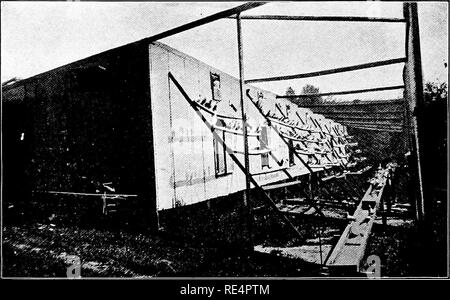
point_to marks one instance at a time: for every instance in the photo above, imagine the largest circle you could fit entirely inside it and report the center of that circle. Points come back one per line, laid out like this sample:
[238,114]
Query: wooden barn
[129,123]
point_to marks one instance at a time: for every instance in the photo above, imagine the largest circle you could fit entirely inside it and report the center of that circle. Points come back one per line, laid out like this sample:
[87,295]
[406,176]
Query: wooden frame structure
[412,87]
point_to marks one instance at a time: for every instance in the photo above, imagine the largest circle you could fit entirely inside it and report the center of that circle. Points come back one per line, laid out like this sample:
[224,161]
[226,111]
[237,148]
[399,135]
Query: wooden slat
[236,132]
[322,18]
[280,185]
[91,194]
[384,88]
[356,104]
[331,71]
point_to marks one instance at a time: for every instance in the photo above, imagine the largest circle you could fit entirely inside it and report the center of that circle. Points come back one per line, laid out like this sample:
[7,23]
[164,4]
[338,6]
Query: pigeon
[203,101]
[208,104]
[214,108]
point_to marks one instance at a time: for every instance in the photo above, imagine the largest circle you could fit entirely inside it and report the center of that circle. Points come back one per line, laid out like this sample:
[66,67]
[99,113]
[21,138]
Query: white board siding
[184,152]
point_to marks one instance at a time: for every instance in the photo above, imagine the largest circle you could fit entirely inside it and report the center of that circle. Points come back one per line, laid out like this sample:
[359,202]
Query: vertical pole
[243,108]
[414,96]
[244,121]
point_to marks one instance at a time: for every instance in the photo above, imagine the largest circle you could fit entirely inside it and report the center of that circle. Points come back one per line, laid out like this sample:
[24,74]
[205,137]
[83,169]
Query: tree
[290,91]
[310,89]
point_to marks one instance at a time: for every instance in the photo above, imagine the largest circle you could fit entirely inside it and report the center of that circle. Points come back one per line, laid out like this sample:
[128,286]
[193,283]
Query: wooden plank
[357,104]
[91,194]
[323,18]
[375,128]
[369,119]
[280,185]
[254,152]
[385,88]
[331,71]
[236,132]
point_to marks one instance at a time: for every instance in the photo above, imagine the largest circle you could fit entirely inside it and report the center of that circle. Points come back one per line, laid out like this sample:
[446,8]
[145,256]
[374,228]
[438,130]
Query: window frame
[218,147]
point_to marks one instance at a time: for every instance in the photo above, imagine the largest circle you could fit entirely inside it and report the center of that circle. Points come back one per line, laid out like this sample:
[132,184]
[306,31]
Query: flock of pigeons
[305,143]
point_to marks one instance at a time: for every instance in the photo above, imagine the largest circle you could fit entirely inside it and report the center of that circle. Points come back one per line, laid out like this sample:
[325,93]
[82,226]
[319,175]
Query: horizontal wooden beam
[368,118]
[358,122]
[203,21]
[343,113]
[91,194]
[384,88]
[375,128]
[399,102]
[331,71]
[280,185]
[385,123]
[323,18]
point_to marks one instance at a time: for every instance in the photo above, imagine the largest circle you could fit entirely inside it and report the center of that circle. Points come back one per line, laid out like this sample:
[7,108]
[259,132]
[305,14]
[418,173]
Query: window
[220,157]
[215,87]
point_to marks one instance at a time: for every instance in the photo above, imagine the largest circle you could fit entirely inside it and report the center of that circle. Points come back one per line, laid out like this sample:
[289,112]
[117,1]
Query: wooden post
[413,81]
[246,199]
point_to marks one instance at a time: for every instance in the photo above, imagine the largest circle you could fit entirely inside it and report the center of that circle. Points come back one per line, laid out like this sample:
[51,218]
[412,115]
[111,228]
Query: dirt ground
[46,250]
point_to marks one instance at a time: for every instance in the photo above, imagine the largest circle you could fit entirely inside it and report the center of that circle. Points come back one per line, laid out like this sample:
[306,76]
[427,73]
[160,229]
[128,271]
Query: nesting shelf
[237,132]
[292,126]
[209,111]
[254,151]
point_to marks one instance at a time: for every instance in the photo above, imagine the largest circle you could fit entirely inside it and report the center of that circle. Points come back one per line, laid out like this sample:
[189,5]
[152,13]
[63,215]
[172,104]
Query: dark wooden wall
[85,123]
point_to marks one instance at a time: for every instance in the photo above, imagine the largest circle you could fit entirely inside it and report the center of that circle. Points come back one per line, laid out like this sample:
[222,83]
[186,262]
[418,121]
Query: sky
[37,37]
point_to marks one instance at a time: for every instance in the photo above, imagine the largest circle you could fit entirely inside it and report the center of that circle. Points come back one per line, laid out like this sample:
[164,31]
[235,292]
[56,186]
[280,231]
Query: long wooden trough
[347,253]
[351,247]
